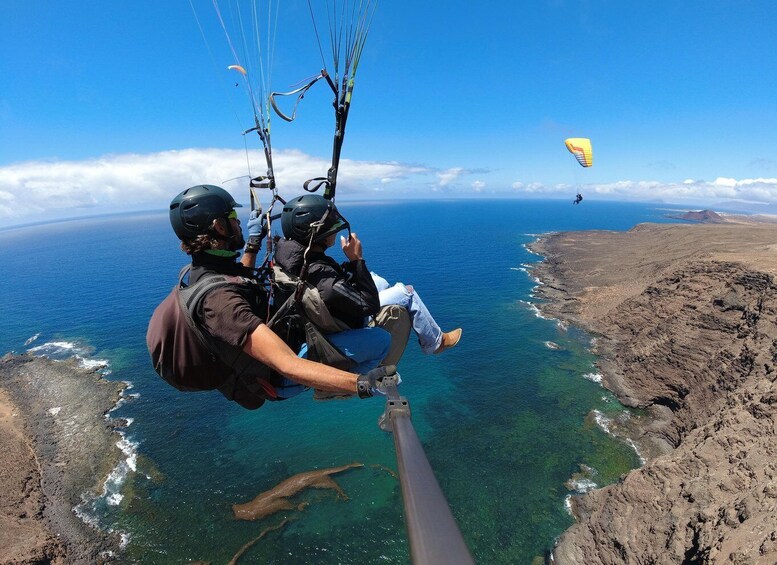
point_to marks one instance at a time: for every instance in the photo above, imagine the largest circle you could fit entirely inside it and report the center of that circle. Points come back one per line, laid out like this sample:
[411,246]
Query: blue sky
[118,105]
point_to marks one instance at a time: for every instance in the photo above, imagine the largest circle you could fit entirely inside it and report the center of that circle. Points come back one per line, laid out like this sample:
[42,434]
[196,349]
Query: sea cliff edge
[685,318]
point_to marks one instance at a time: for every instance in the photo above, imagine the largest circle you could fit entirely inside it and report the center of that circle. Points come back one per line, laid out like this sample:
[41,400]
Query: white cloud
[32,190]
[449,175]
[37,190]
[685,191]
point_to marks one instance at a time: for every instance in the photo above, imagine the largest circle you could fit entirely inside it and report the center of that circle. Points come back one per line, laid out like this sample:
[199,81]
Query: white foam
[129,449]
[533,308]
[582,485]
[62,350]
[526,247]
[33,338]
[92,363]
[57,347]
[606,424]
[593,377]
[568,504]
[603,421]
[641,457]
[86,517]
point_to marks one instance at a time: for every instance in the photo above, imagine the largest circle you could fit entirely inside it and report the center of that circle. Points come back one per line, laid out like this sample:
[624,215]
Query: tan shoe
[449,339]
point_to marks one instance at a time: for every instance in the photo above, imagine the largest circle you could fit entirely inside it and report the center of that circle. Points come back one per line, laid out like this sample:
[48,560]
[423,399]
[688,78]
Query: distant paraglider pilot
[580,148]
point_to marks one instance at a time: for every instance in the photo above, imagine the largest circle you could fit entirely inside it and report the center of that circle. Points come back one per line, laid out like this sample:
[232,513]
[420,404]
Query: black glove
[372,383]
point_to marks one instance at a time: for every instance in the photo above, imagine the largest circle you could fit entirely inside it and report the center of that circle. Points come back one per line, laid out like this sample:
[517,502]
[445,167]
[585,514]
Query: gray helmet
[301,213]
[192,212]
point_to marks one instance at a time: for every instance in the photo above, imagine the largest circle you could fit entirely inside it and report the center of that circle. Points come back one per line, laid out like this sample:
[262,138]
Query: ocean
[508,418]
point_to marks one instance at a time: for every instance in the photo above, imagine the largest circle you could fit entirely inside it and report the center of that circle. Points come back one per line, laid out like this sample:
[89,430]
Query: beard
[236,242]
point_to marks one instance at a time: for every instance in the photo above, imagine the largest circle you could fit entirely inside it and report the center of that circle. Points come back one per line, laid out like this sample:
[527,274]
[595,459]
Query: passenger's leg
[428,332]
[380,282]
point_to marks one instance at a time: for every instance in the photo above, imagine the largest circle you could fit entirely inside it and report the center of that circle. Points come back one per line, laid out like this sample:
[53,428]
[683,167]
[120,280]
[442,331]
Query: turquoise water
[505,420]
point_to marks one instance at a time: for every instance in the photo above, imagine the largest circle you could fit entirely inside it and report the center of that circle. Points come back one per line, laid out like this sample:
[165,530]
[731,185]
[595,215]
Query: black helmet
[192,212]
[299,215]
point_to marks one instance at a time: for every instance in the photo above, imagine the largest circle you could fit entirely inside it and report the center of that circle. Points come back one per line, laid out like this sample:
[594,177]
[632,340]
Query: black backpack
[182,354]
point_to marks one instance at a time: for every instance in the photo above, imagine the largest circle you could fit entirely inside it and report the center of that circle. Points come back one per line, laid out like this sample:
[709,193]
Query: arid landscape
[685,318]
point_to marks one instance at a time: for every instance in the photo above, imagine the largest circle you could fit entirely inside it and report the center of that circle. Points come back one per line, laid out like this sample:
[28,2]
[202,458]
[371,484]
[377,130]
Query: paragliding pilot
[225,344]
[578,199]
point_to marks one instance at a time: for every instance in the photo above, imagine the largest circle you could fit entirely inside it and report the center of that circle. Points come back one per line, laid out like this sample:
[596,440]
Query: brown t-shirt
[228,315]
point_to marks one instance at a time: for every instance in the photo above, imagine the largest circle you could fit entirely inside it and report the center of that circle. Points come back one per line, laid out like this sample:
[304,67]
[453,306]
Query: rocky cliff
[691,336]
[55,447]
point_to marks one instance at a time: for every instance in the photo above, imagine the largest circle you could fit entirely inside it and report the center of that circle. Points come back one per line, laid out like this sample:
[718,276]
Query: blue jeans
[367,347]
[428,332]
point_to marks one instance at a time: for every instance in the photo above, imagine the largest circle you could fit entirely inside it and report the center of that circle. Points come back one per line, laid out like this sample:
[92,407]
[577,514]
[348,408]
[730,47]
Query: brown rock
[687,324]
[55,446]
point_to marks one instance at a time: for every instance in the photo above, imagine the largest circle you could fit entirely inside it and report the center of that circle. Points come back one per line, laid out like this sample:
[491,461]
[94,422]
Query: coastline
[56,446]
[684,319]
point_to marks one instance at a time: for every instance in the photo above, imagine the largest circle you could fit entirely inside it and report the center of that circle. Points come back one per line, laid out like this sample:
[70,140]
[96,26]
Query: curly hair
[200,243]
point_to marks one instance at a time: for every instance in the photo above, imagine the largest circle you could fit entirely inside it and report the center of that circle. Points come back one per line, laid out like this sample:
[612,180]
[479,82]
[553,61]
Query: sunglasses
[232,215]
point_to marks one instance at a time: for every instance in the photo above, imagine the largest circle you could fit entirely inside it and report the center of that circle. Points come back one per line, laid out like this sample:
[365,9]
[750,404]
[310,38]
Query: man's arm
[248,259]
[266,347]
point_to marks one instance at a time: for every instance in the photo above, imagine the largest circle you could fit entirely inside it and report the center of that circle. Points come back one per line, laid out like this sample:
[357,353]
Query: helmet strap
[232,237]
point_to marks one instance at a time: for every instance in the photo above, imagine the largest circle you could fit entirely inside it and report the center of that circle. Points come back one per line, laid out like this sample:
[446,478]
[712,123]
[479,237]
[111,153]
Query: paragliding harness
[303,315]
[303,318]
[185,355]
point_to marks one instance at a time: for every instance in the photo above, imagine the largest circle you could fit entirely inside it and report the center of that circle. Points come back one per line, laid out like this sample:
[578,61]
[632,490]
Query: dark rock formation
[55,446]
[697,347]
[701,216]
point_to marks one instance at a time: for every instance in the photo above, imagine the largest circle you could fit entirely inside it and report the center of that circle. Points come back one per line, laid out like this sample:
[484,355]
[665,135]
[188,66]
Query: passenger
[204,219]
[350,291]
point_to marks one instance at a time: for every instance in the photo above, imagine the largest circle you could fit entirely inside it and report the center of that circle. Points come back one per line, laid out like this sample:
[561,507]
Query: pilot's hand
[372,383]
[352,247]
[256,231]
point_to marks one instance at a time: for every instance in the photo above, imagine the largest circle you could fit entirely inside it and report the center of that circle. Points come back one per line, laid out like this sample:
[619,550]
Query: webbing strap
[190,296]
[301,94]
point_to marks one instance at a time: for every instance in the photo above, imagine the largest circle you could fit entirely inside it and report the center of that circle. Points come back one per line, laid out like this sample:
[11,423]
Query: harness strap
[189,298]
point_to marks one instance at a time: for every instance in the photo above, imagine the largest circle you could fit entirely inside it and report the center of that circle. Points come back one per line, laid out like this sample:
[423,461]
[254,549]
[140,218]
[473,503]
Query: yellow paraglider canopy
[580,147]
